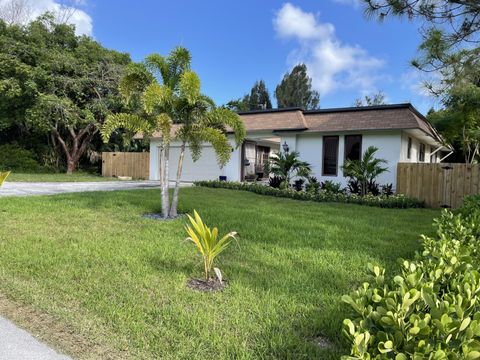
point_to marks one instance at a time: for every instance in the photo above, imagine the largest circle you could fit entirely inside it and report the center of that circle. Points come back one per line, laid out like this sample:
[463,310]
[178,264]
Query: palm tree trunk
[164,180]
[173,208]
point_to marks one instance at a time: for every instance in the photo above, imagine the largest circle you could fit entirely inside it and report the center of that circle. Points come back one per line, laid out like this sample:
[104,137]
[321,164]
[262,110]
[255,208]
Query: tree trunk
[164,180]
[79,145]
[173,208]
[71,166]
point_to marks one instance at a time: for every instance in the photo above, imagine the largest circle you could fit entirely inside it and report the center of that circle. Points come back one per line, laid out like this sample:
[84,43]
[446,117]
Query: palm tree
[365,170]
[288,165]
[163,91]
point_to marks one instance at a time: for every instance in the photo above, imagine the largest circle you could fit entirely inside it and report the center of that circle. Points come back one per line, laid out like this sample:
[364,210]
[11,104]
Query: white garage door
[205,168]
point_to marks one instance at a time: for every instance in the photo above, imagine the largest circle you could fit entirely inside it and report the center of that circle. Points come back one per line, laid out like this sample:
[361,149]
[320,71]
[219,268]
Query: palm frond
[135,80]
[189,87]
[157,98]
[130,122]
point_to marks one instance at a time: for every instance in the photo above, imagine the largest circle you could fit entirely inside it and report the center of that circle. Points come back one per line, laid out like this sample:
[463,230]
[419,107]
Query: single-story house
[324,138]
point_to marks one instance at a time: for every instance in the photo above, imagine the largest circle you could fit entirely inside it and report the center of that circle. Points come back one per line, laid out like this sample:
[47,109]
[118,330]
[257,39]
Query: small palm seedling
[207,241]
[3,177]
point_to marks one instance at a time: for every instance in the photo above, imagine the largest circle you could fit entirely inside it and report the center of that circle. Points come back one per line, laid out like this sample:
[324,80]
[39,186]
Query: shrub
[332,187]
[313,186]
[207,241]
[373,188]
[432,309]
[395,201]
[298,184]
[387,189]
[275,181]
[353,186]
[16,158]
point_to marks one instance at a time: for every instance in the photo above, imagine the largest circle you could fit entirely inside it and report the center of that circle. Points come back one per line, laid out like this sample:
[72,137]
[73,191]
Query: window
[353,147]
[421,153]
[330,155]
[409,148]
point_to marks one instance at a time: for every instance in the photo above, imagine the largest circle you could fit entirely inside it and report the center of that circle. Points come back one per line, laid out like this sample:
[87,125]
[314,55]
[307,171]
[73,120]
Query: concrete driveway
[17,344]
[51,188]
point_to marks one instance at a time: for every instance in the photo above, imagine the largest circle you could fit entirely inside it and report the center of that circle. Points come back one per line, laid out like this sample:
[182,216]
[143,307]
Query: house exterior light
[285,147]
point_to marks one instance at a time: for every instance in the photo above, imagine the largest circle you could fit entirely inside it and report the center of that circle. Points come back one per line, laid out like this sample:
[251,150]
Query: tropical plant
[288,165]
[331,186]
[162,92]
[298,184]
[3,176]
[275,181]
[207,241]
[365,170]
[387,189]
[312,186]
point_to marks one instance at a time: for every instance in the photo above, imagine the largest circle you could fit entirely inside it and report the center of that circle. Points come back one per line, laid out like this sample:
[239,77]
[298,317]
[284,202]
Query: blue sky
[233,44]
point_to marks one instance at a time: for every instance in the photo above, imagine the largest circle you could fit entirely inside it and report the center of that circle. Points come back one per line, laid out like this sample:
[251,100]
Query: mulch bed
[206,286]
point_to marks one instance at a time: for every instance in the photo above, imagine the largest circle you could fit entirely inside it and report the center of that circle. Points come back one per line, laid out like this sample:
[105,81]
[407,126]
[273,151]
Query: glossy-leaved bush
[431,310]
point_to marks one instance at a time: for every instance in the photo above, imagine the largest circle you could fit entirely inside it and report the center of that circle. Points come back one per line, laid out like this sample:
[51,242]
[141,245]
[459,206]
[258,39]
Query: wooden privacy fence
[439,185]
[134,164]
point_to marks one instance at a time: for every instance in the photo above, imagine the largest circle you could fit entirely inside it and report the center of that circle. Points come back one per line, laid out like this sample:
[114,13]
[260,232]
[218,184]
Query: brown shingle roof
[289,119]
[382,117]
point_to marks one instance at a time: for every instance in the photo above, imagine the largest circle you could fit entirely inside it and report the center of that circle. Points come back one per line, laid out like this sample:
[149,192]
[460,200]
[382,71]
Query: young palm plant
[3,177]
[365,170]
[162,92]
[207,241]
[288,165]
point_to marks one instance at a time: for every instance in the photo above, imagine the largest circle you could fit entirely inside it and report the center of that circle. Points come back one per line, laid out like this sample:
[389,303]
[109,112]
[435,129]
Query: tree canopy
[295,90]
[53,81]
[451,36]
[371,100]
[258,99]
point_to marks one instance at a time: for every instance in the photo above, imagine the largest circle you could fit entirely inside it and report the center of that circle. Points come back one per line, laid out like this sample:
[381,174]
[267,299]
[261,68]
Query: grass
[91,262]
[57,177]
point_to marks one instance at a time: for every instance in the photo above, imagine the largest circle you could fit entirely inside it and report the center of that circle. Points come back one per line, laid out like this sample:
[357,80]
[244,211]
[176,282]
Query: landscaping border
[397,201]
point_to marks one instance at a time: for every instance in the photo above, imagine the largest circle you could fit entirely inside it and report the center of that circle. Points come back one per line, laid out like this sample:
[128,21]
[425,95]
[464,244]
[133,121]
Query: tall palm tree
[163,91]
[288,165]
[365,170]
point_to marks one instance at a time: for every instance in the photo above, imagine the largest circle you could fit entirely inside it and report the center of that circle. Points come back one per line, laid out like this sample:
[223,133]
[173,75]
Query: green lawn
[94,265]
[52,177]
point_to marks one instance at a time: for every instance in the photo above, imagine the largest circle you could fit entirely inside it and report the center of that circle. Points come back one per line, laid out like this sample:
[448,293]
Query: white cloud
[67,11]
[332,65]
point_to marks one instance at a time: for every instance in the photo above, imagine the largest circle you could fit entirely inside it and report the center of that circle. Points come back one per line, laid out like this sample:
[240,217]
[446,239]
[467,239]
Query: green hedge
[393,201]
[432,309]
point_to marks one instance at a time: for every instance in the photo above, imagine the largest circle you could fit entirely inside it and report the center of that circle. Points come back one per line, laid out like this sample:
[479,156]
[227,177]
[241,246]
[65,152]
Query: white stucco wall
[429,149]
[310,147]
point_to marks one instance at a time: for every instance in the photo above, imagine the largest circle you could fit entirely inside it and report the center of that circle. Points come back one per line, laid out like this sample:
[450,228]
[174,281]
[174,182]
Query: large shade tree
[163,94]
[459,121]
[53,81]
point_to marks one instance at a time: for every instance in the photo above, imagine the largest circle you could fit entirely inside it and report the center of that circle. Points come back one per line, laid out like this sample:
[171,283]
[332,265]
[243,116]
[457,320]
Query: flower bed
[392,201]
